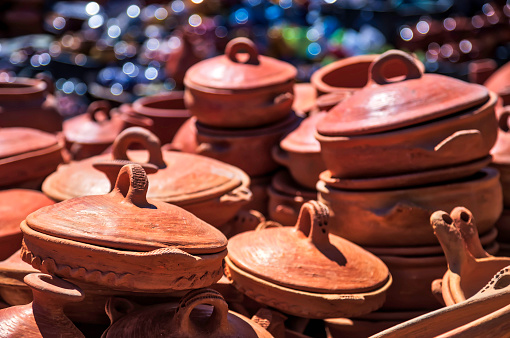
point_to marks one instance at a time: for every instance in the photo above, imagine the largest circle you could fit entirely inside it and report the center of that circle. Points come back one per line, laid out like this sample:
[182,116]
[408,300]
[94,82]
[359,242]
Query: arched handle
[50,85]
[143,137]
[268,224]
[117,307]
[132,184]
[465,222]
[111,168]
[503,119]
[238,45]
[313,223]
[52,291]
[217,324]
[96,107]
[376,67]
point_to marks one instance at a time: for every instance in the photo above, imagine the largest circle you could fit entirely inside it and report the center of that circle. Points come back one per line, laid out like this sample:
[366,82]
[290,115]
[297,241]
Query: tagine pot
[240,90]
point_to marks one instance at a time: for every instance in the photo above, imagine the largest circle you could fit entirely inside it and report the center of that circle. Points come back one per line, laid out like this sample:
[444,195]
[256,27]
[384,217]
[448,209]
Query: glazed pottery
[29,103]
[27,155]
[371,126]
[240,90]
[44,317]
[304,98]
[498,82]
[300,152]
[201,313]
[211,190]
[324,275]
[91,133]
[400,217]
[286,198]
[123,241]
[15,205]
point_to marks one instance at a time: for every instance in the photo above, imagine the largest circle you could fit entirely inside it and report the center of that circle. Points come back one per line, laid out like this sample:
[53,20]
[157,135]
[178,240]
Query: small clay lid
[388,104]
[306,257]
[236,70]
[124,219]
[302,139]
[18,141]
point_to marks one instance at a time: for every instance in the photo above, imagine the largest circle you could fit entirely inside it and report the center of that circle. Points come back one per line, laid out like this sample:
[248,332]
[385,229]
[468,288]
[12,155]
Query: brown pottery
[305,271]
[499,83]
[240,90]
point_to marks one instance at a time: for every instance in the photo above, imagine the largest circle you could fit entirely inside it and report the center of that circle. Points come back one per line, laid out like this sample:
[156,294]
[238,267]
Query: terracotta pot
[211,190]
[499,83]
[371,127]
[240,90]
[400,217]
[300,152]
[44,317]
[286,199]
[185,138]
[27,155]
[325,275]
[29,103]
[91,133]
[249,149]
[201,313]
[123,241]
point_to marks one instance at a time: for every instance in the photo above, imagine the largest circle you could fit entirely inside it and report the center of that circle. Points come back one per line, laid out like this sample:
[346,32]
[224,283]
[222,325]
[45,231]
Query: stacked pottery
[396,151]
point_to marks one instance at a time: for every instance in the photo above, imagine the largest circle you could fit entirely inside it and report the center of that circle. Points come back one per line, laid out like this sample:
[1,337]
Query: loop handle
[96,107]
[111,168]
[52,291]
[133,184]
[313,223]
[503,119]
[142,136]
[376,68]
[242,44]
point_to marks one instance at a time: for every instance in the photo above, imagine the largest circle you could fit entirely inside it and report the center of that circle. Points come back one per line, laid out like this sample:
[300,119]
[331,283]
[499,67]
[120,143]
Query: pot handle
[217,324]
[456,142]
[238,195]
[465,222]
[503,119]
[142,136]
[313,222]
[242,44]
[111,168]
[377,66]
[268,224]
[132,184]
[96,107]
[117,307]
[50,290]
[280,156]
[50,85]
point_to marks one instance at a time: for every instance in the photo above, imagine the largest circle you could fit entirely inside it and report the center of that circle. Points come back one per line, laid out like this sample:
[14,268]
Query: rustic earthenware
[27,155]
[240,90]
[400,217]
[201,313]
[44,317]
[431,134]
[185,139]
[325,275]
[304,98]
[211,190]
[123,241]
[286,198]
[498,82]
[247,149]
[91,133]
[29,103]
[300,152]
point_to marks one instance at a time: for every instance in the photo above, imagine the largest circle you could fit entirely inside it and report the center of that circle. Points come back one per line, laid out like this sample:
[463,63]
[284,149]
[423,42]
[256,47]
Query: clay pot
[123,241]
[211,190]
[431,134]
[201,313]
[240,90]
[286,199]
[27,156]
[91,133]
[325,275]
[29,103]
[498,82]
[44,317]
[185,138]
[300,152]
[304,98]
[260,196]
[400,217]
[248,149]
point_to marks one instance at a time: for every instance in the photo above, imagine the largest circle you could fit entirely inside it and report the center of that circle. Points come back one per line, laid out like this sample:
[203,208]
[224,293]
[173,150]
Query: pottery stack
[395,152]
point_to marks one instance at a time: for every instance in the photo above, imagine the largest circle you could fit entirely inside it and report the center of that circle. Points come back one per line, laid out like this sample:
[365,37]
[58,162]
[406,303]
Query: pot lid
[387,104]
[181,178]
[124,219]
[18,141]
[302,139]
[236,70]
[306,257]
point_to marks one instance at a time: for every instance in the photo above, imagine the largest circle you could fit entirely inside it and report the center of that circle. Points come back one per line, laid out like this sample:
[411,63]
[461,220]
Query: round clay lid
[181,177]
[18,141]
[306,257]
[237,70]
[302,139]
[388,104]
[124,219]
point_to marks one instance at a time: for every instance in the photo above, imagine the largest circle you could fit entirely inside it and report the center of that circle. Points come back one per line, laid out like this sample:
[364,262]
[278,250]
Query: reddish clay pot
[29,103]
[325,275]
[300,152]
[286,199]
[400,217]
[240,90]
[15,205]
[185,138]
[123,241]
[44,317]
[499,83]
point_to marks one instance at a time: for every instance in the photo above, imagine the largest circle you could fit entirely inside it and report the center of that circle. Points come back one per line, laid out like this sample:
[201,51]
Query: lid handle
[242,44]
[313,222]
[145,138]
[111,168]
[376,69]
[133,184]
[96,107]
[465,222]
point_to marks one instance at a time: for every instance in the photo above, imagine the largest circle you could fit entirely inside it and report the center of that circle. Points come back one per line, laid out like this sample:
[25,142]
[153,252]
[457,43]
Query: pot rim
[22,86]
[141,107]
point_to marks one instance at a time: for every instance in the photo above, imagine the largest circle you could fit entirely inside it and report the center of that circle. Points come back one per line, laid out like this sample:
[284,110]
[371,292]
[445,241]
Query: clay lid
[236,70]
[124,219]
[306,257]
[17,141]
[302,139]
[181,177]
[385,104]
